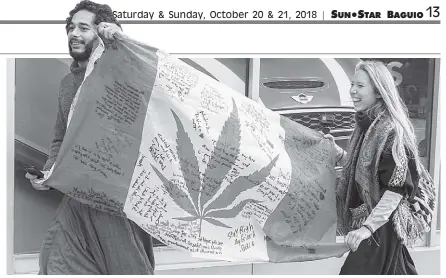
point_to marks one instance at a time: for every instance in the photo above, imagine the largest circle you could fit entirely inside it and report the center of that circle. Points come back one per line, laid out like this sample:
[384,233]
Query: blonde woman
[380,170]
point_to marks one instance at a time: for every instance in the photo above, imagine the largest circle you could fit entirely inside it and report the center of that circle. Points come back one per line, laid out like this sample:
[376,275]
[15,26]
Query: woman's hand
[339,150]
[354,238]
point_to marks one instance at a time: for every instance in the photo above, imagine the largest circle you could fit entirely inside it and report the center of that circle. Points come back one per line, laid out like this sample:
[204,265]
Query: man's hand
[109,31]
[354,238]
[36,182]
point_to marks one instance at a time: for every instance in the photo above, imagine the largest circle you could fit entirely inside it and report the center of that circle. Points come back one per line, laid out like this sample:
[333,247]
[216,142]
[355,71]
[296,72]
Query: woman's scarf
[371,137]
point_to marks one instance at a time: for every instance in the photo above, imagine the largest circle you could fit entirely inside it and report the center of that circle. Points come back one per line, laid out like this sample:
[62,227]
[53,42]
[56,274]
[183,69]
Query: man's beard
[83,56]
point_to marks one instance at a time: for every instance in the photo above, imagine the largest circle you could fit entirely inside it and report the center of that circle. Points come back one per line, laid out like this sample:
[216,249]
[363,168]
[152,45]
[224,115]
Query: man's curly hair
[103,12]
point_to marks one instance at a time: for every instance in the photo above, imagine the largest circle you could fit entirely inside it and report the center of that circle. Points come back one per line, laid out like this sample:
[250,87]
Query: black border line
[253,22]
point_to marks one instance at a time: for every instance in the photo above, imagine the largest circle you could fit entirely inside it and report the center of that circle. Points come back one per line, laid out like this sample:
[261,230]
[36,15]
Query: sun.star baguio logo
[200,200]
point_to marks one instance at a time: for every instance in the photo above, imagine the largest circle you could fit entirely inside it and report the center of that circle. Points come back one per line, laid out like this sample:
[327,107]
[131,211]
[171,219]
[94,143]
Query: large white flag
[194,163]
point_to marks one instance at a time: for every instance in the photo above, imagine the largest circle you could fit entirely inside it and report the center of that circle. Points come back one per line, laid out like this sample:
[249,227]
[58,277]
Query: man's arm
[59,133]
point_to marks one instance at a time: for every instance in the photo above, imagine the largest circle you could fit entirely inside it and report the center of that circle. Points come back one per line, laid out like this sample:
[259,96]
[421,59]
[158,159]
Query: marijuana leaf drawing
[202,205]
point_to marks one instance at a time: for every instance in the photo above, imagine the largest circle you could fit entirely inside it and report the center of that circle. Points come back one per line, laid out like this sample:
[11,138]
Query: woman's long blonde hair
[392,104]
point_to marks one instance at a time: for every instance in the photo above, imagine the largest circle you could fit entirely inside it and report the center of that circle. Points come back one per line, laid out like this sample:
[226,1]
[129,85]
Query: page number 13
[434,11]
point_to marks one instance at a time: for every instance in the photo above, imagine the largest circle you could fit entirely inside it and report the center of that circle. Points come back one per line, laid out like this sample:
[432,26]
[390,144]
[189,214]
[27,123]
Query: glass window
[37,83]
[415,83]
[232,72]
